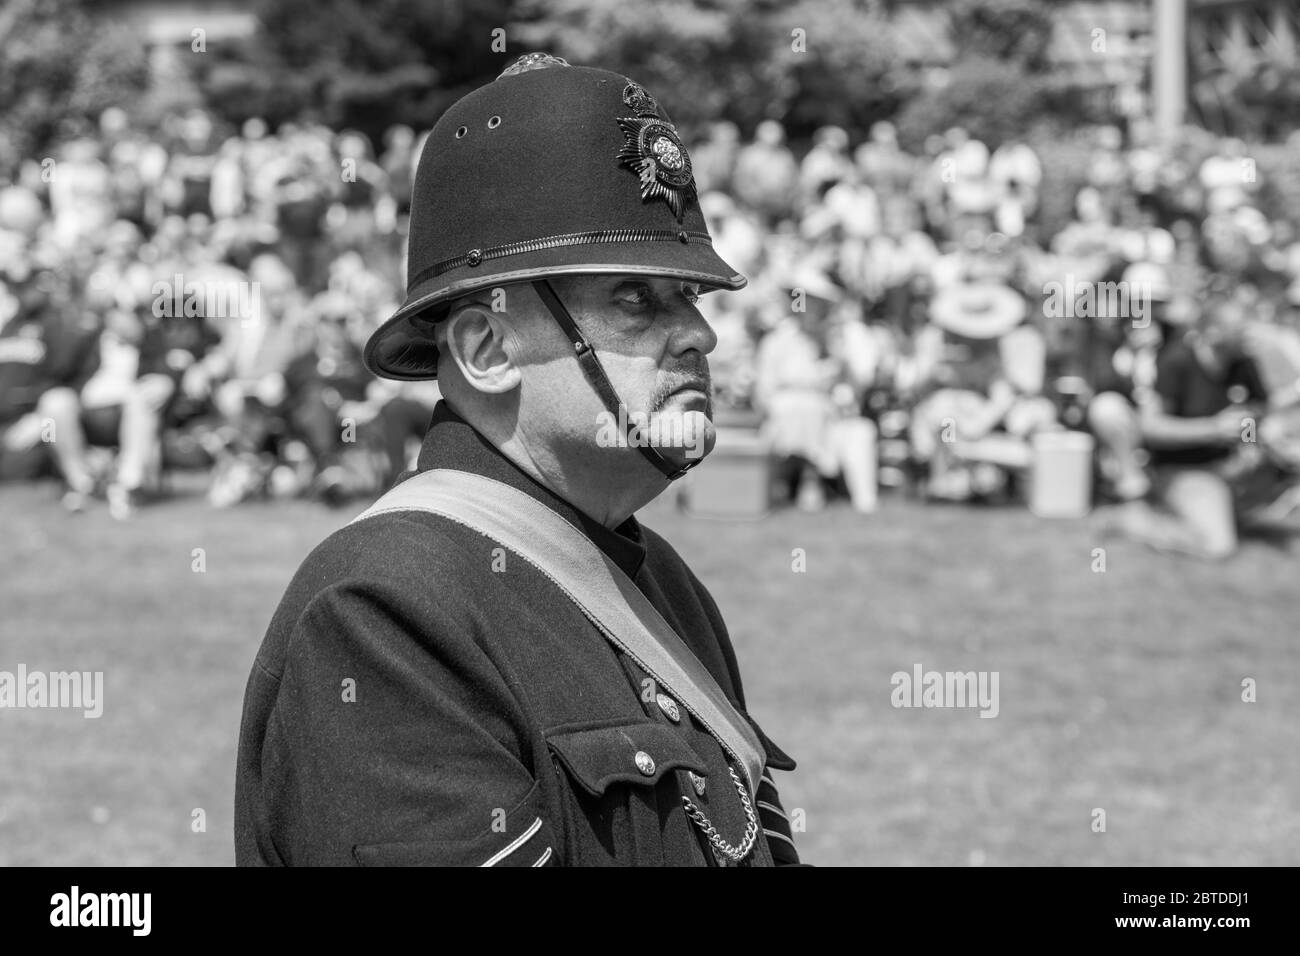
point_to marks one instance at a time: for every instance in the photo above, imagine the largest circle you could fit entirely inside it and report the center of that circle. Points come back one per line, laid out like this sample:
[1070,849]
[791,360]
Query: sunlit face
[651,340]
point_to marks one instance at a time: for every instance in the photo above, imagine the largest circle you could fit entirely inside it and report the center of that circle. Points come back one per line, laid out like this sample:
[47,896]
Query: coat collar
[452,442]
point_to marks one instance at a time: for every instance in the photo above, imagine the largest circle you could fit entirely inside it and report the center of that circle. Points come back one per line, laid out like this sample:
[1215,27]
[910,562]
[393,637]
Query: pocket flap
[638,753]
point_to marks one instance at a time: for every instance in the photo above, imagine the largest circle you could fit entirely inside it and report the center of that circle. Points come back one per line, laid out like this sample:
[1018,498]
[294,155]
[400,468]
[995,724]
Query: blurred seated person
[149,365]
[1200,424]
[328,403]
[1114,361]
[41,350]
[249,391]
[985,372]
[89,413]
[254,351]
[812,427]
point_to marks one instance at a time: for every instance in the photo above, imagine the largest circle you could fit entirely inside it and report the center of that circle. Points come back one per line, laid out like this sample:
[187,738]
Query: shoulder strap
[592,581]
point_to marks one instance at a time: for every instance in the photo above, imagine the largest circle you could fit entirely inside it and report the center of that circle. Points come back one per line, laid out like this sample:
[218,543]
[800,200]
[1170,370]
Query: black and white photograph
[682,433]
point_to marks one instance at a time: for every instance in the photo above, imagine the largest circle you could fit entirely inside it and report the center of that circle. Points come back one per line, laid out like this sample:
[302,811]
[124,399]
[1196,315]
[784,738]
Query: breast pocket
[623,801]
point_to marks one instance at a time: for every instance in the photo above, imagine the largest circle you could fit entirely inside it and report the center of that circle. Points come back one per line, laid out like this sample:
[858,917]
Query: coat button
[645,763]
[697,782]
[669,707]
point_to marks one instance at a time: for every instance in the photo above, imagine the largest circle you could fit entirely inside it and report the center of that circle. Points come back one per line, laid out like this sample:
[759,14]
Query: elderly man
[496,664]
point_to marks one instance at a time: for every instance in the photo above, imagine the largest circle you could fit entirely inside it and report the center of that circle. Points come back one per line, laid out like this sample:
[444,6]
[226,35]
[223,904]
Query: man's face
[652,342]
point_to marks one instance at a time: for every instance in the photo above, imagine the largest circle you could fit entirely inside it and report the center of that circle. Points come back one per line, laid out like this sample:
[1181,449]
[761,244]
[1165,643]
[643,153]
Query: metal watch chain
[721,848]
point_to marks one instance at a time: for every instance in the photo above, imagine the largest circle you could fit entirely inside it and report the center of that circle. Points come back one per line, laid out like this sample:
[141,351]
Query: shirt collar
[452,442]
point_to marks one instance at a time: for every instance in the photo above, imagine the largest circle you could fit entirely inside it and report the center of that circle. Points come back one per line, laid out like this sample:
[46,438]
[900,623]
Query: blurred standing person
[793,376]
[352,217]
[189,173]
[714,160]
[301,202]
[883,165]
[81,194]
[860,353]
[767,176]
[1087,244]
[1016,173]
[1108,168]
[825,164]
[229,194]
[972,196]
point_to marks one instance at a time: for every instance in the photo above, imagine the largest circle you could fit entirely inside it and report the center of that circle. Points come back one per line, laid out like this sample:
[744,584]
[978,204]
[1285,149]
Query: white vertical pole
[1169,69]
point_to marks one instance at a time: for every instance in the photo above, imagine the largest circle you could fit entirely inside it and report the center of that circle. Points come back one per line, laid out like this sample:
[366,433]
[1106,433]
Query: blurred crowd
[179,299]
[911,323]
[196,298]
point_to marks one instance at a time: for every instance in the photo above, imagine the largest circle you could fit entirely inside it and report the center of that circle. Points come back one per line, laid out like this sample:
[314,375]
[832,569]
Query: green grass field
[1118,690]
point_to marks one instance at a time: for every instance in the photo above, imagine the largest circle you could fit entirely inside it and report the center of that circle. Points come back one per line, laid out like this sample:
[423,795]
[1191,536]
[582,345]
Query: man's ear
[475,338]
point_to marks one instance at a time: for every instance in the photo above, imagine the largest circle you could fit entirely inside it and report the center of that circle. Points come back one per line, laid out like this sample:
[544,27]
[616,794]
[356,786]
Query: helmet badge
[654,151]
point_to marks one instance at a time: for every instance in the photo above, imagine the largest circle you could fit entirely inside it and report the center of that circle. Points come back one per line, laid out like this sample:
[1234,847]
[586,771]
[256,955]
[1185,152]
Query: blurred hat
[978,310]
[551,169]
[1151,277]
[833,137]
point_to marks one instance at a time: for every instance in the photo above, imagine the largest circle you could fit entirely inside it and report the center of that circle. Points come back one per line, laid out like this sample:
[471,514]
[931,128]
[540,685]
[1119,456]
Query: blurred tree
[812,63]
[688,53]
[994,100]
[849,74]
[1014,31]
[999,86]
[366,64]
[59,69]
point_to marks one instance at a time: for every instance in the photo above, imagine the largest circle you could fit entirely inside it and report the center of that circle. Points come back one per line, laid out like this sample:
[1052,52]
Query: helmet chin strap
[600,383]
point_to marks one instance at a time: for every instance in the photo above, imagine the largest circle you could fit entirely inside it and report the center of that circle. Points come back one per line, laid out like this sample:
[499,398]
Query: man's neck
[607,495]
[608,491]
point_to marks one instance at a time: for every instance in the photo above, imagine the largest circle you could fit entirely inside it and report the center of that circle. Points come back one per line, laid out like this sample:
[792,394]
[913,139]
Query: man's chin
[685,427]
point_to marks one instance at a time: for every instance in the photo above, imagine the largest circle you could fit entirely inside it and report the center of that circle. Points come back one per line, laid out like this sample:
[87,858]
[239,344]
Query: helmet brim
[403,347]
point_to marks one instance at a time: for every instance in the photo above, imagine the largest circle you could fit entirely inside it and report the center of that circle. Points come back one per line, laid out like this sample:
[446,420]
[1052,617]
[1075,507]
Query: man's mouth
[693,393]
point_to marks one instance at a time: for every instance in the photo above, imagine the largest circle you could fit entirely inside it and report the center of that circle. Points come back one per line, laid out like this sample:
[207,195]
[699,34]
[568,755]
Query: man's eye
[636,295]
[691,294]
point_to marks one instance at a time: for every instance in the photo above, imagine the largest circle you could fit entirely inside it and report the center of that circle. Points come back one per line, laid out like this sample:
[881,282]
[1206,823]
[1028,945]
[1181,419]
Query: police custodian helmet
[551,169]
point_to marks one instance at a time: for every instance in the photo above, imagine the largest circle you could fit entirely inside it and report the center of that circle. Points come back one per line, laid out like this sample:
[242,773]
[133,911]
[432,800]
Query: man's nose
[692,331]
